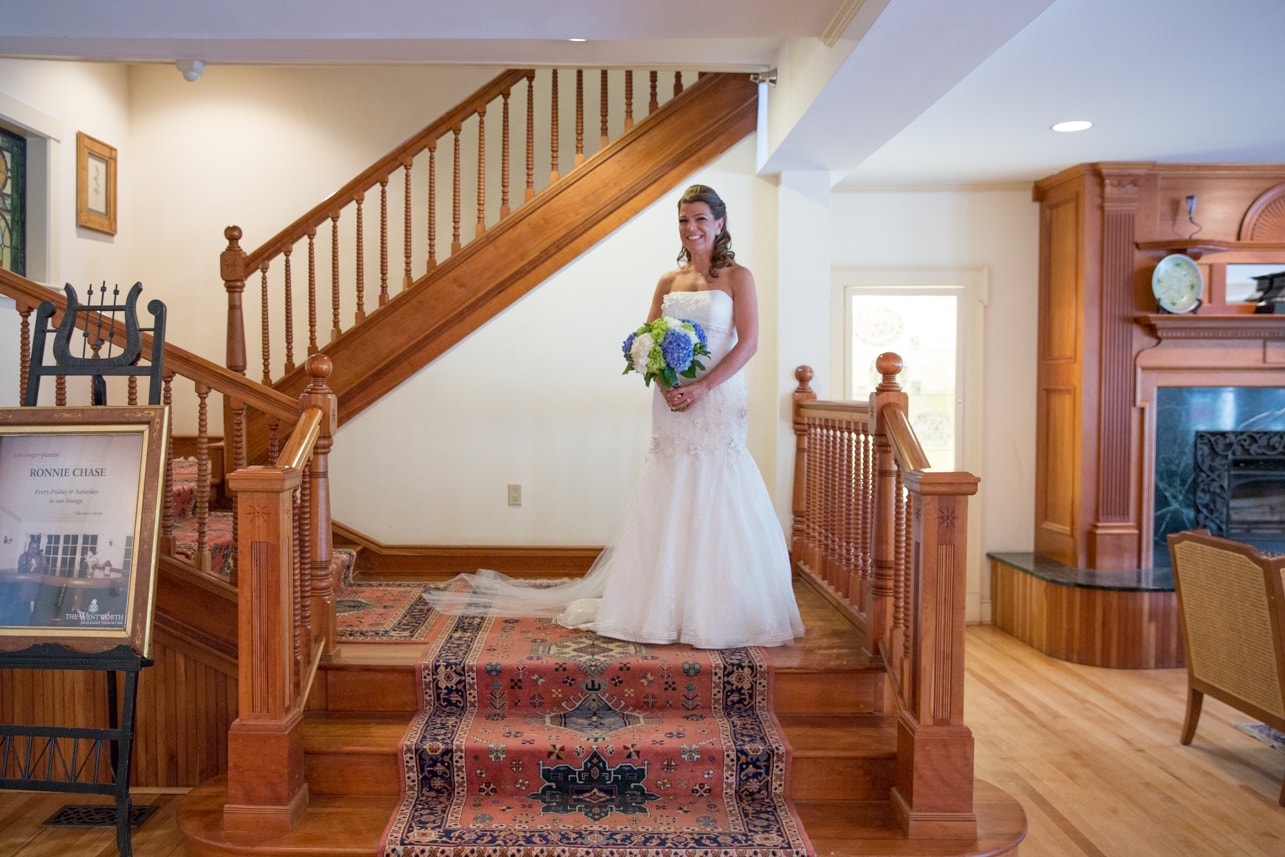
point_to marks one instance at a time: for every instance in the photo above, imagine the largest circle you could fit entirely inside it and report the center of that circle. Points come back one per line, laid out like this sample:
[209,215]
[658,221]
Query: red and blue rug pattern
[534,739]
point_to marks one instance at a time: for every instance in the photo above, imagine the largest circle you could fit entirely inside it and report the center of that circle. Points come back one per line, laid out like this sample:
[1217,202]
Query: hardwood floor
[1091,753]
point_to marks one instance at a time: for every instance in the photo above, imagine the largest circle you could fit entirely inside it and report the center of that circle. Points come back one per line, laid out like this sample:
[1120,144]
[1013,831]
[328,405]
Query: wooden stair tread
[830,735]
[838,828]
[354,731]
[333,825]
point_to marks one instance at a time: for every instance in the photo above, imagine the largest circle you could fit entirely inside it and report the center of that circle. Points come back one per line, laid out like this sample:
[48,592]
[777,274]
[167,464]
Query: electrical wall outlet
[515,494]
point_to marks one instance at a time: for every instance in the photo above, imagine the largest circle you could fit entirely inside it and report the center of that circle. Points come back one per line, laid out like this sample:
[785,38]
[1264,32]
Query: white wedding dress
[700,557]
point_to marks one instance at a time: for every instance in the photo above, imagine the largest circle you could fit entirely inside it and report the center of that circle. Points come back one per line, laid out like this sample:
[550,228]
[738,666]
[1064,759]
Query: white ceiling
[882,93]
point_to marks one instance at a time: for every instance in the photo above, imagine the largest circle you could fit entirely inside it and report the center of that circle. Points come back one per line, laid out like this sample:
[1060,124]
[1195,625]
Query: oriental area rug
[380,611]
[533,739]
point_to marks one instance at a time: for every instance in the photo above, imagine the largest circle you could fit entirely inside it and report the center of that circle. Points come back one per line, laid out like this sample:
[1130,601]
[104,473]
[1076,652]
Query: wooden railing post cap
[319,367]
[803,374]
[889,365]
[233,234]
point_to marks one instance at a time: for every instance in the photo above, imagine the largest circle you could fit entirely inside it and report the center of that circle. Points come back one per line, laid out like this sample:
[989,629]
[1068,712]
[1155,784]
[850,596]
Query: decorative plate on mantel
[1177,283]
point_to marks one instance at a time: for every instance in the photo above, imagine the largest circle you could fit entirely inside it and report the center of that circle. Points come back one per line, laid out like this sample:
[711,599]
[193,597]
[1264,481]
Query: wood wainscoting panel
[1097,626]
[186,701]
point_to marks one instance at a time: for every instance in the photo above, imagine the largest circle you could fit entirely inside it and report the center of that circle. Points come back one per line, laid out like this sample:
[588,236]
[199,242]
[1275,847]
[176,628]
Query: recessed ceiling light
[577,40]
[1072,125]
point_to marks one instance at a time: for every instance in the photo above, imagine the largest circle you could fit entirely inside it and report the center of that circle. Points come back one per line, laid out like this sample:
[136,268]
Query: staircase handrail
[384,167]
[291,269]
[28,295]
[884,536]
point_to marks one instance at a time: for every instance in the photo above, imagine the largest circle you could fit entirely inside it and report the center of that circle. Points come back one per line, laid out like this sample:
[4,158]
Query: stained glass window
[13,202]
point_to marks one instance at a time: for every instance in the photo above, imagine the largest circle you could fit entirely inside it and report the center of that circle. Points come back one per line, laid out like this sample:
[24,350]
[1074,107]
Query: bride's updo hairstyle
[723,254]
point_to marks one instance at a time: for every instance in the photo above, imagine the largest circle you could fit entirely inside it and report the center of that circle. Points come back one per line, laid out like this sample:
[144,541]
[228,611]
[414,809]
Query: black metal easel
[36,758]
[70,758]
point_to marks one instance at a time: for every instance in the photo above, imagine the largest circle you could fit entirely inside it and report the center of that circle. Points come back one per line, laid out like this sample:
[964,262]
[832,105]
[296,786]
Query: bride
[701,558]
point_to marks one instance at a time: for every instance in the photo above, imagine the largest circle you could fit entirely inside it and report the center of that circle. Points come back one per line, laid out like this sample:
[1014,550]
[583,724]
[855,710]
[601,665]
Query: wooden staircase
[826,695]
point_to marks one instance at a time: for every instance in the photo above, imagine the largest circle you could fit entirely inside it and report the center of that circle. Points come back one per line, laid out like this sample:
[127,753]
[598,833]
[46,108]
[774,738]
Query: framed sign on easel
[80,501]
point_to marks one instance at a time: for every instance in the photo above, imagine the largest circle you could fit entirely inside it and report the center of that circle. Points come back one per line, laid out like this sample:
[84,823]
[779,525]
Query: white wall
[52,101]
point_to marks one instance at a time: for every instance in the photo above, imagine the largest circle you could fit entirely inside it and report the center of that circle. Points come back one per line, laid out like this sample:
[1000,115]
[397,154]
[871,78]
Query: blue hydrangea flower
[678,351]
[629,344]
[700,331]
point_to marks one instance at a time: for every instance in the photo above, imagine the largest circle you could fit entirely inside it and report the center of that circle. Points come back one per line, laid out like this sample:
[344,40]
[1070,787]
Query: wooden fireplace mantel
[1230,326]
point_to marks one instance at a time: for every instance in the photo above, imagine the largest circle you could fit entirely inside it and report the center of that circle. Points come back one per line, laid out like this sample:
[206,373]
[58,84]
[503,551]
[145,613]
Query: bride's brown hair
[723,256]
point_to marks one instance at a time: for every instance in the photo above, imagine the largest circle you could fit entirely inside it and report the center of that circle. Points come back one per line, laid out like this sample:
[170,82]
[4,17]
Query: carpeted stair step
[354,753]
[853,755]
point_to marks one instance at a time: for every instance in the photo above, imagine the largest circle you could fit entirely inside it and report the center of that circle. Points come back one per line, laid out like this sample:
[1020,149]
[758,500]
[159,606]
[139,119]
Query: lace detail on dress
[717,424]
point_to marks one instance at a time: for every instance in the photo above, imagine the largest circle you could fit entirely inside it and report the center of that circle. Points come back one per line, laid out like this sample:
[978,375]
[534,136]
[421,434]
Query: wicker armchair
[1231,600]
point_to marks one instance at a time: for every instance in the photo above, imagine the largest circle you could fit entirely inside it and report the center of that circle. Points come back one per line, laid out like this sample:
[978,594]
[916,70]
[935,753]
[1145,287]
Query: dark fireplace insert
[1240,485]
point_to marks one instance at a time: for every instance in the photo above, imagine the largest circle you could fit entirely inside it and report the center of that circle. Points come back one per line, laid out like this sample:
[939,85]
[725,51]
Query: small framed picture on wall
[95,184]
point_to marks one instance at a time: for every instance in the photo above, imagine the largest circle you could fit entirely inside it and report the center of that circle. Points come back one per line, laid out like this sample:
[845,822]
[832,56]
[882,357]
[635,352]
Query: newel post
[932,794]
[321,548]
[882,583]
[232,270]
[802,395]
[267,791]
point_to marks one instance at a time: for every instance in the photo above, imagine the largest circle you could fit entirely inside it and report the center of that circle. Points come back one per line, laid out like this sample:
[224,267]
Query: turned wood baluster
[359,260]
[851,475]
[289,308]
[296,596]
[553,127]
[131,390]
[602,109]
[432,206]
[504,158]
[335,330]
[579,155]
[274,437]
[802,464]
[828,503]
[678,83]
[305,554]
[24,350]
[264,334]
[202,559]
[480,227]
[383,241]
[900,580]
[407,242]
[629,103]
[815,477]
[167,516]
[654,103]
[865,515]
[455,196]
[312,291]
[530,138]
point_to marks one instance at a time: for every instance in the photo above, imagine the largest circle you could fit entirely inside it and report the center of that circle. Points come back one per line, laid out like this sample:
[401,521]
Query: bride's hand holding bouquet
[666,350]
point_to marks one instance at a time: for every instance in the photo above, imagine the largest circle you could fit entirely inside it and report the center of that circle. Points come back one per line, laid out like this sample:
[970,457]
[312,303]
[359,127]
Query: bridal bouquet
[665,349]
